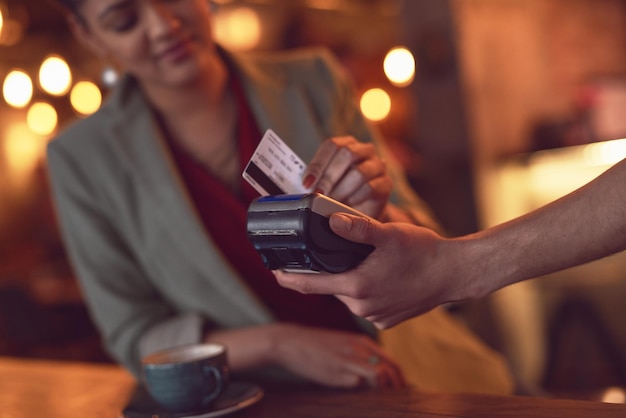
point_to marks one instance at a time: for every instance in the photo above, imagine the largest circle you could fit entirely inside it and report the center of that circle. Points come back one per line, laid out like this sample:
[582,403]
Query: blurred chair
[29,329]
[21,322]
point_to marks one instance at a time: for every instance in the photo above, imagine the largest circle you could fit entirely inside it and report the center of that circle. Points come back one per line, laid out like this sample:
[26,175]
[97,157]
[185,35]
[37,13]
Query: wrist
[485,263]
[276,335]
[249,347]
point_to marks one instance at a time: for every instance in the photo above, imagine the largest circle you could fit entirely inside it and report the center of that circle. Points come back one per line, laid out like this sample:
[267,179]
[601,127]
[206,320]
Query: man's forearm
[587,224]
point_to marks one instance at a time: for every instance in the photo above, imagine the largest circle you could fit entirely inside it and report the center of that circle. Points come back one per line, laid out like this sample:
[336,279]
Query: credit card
[274,168]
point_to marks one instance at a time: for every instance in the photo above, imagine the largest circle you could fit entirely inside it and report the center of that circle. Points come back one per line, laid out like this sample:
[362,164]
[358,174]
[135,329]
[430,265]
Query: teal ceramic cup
[186,379]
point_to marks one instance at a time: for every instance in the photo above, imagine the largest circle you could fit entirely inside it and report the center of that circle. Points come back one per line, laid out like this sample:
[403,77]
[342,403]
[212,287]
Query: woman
[153,207]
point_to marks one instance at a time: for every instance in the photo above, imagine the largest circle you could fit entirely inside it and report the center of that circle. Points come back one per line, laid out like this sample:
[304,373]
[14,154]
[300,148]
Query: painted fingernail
[308,181]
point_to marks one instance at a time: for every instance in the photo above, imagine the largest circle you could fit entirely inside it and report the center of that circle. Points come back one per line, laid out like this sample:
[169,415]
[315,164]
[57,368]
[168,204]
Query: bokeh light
[23,150]
[399,66]
[614,395]
[42,118]
[375,104]
[85,98]
[612,152]
[17,89]
[55,76]
[605,152]
[1,22]
[238,28]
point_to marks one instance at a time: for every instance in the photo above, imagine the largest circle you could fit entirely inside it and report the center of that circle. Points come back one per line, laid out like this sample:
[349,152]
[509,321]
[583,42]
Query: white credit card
[274,168]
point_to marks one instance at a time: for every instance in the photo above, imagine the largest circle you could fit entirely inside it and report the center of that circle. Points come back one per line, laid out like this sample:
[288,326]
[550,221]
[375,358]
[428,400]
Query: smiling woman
[116,31]
[153,206]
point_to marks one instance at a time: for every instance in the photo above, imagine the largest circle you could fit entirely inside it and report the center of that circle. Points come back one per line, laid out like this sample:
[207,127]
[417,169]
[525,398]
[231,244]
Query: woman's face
[167,42]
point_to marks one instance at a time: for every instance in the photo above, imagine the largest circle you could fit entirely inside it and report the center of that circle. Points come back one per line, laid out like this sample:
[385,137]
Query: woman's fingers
[334,158]
[317,166]
[351,172]
[377,371]
[355,184]
[335,358]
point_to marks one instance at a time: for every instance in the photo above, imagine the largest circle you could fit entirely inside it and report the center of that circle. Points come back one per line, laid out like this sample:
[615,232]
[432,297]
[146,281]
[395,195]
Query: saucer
[236,396]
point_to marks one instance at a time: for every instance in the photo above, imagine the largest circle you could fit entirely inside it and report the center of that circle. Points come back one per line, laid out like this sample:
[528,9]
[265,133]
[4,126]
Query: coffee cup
[186,379]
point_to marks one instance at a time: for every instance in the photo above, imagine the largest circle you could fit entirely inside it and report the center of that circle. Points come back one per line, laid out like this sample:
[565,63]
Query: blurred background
[493,107]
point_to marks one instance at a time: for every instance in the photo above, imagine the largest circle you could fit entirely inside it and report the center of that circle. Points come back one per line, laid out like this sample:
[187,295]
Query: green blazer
[151,276]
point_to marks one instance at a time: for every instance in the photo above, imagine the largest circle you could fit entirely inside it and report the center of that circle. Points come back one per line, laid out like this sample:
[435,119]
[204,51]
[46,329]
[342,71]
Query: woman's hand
[351,172]
[333,358]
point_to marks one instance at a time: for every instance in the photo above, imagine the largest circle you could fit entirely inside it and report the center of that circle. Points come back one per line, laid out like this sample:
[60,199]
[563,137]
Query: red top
[225,218]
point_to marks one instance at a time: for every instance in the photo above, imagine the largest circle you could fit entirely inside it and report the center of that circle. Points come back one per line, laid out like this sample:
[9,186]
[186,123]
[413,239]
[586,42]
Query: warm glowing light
[55,76]
[85,97]
[324,4]
[607,152]
[238,29]
[23,151]
[399,66]
[17,89]
[1,22]
[42,118]
[614,395]
[375,104]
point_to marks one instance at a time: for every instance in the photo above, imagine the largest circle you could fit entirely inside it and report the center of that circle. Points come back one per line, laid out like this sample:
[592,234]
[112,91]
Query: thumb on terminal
[354,228]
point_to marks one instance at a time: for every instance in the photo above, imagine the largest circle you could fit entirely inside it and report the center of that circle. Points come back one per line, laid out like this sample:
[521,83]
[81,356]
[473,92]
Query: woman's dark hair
[70,5]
